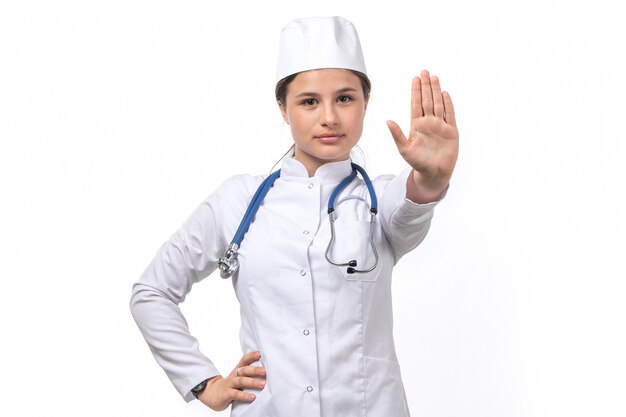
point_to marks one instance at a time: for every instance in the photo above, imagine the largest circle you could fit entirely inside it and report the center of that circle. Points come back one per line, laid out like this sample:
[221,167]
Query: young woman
[313,273]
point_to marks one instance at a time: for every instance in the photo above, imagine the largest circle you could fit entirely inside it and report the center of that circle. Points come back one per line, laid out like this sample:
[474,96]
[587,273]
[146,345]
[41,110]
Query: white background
[117,118]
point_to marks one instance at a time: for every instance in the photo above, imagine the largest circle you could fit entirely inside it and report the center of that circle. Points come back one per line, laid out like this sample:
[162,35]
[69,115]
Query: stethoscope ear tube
[353,263]
[370,187]
[229,263]
[253,207]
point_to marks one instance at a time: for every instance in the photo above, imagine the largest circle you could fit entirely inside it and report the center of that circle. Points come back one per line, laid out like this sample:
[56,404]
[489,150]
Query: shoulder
[241,184]
[234,195]
[226,204]
[384,179]
[235,191]
[392,188]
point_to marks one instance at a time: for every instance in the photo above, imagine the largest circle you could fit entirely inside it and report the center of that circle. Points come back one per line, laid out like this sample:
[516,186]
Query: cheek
[301,121]
[355,120]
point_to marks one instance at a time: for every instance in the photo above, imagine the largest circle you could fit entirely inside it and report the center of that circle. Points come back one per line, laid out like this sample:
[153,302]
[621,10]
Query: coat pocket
[355,241]
[384,390]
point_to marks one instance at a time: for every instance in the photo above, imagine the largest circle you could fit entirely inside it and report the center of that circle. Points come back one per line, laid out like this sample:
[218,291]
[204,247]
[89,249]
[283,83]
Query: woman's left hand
[433,143]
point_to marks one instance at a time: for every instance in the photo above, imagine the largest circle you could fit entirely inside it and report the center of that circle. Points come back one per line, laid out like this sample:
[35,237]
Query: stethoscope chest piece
[229,264]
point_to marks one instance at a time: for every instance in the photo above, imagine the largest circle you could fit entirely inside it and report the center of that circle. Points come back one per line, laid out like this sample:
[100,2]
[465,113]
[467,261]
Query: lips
[329,137]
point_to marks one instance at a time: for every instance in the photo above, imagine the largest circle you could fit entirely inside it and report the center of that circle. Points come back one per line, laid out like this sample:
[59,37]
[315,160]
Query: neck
[311,163]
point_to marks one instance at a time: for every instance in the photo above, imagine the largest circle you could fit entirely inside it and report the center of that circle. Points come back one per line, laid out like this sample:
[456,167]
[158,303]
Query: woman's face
[325,110]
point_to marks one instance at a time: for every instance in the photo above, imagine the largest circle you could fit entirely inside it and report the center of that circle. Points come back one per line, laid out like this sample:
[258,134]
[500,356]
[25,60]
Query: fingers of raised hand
[438,108]
[427,98]
[397,135]
[427,93]
[449,109]
[416,99]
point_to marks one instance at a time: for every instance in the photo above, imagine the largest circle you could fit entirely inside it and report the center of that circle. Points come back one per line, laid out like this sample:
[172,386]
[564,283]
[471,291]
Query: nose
[328,115]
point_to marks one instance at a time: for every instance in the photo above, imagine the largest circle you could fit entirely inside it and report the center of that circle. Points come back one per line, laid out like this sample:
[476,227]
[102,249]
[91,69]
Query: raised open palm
[432,145]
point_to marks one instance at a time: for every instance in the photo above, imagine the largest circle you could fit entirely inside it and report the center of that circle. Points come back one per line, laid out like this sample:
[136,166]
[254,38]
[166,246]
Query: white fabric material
[325,336]
[319,42]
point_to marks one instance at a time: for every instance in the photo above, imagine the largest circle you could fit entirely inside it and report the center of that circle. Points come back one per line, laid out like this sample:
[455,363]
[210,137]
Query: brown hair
[282,85]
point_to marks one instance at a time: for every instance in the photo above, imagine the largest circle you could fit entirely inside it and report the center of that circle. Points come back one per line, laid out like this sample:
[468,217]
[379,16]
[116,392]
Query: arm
[187,257]
[404,222]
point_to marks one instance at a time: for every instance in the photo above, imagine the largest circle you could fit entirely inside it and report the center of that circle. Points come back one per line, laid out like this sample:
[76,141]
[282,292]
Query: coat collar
[329,172]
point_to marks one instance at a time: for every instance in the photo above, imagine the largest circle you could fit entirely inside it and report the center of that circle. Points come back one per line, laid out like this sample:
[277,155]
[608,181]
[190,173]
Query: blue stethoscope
[229,263]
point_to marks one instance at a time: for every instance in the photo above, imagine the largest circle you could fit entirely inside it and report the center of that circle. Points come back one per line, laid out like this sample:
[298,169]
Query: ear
[283,110]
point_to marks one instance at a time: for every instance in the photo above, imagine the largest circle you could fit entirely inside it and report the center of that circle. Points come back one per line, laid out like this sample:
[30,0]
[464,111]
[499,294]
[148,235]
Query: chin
[333,154]
[335,158]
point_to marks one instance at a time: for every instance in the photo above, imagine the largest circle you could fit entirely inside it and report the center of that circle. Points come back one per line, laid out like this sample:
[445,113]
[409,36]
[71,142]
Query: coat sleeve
[404,223]
[190,255]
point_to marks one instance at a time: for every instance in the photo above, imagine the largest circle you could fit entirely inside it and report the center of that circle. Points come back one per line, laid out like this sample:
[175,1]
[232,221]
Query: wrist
[420,191]
[206,397]
[199,389]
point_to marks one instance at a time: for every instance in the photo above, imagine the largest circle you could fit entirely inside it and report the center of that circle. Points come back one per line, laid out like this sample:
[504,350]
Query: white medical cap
[319,42]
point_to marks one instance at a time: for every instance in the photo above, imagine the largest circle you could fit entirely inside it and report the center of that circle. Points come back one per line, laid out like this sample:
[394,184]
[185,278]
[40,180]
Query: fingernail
[262,371]
[251,397]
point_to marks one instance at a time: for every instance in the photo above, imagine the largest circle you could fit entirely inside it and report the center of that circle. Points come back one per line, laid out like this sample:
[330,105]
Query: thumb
[397,135]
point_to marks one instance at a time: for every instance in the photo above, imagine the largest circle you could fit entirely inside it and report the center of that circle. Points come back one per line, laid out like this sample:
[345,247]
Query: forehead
[324,80]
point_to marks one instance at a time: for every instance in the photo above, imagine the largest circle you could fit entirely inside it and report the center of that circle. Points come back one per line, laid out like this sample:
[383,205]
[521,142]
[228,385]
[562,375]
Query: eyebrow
[312,94]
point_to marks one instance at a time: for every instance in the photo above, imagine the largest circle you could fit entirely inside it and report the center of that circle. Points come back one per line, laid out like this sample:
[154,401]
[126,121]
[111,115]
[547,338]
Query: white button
[310,185]
[306,332]
[306,232]
[303,272]
[309,388]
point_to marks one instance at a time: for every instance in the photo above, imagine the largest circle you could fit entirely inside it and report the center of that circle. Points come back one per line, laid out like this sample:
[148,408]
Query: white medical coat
[325,336]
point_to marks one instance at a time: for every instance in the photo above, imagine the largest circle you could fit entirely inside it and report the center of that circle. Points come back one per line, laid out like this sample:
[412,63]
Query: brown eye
[344,99]
[309,102]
